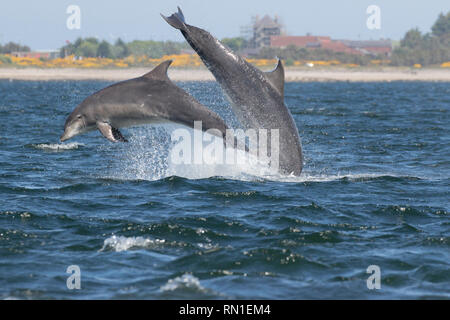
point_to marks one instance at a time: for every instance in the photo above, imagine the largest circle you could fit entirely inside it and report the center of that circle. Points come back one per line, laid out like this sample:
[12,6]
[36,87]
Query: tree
[12,47]
[412,39]
[104,50]
[442,25]
[92,40]
[87,49]
[121,49]
[154,49]
[430,48]
[235,44]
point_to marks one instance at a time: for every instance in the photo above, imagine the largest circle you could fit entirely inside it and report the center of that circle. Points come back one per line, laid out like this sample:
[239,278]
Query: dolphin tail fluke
[176,20]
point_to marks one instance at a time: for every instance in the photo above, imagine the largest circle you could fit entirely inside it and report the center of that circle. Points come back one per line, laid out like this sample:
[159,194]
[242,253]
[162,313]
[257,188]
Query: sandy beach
[292,74]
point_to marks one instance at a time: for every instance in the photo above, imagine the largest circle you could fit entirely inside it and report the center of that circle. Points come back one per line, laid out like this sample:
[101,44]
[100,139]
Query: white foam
[121,243]
[185,281]
[245,166]
[148,157]
[58,146]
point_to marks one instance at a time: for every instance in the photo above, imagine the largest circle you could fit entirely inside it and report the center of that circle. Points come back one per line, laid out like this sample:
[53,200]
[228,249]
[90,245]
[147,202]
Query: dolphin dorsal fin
[159,72]
[276,78]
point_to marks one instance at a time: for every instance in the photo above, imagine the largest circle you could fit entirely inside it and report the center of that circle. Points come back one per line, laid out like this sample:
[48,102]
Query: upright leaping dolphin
[257,97]
[152,98]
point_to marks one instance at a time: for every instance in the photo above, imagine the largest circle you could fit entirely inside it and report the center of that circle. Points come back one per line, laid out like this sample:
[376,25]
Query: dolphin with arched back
[152,98]
[257,97]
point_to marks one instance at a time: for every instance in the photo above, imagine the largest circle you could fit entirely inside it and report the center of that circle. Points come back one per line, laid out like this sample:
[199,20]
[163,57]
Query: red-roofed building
[383,47]
[312,42]
[298,41]
[348,46]
[338,46]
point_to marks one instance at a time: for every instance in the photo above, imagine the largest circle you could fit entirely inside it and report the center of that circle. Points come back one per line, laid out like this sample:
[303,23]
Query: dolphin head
[79,121]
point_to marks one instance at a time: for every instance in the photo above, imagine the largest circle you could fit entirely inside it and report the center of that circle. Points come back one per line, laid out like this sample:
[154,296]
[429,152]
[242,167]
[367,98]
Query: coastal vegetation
[425,49]
[93,48]
[12,47]
[414,50]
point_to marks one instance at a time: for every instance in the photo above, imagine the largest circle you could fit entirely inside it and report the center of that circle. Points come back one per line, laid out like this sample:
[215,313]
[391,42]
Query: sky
[42,24]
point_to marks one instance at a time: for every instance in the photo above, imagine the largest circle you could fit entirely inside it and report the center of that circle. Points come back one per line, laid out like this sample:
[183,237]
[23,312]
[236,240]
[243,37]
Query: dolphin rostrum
[152,98]
[257,97]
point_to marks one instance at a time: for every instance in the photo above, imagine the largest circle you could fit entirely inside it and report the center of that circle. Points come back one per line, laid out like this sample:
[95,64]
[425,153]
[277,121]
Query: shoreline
[202,74]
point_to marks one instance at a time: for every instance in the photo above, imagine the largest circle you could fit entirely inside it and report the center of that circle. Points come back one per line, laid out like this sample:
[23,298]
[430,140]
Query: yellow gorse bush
[378,62]
[179,60]
[262,62]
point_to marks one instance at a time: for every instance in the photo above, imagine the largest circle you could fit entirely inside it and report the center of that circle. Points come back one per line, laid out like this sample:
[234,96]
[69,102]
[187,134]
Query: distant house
[298,41]
[383,47]
[46,54]
[376,47]
[311,42]
[264,29]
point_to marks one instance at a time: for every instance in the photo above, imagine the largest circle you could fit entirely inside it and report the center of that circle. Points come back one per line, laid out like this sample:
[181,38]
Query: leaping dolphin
[152,98]
[257,97]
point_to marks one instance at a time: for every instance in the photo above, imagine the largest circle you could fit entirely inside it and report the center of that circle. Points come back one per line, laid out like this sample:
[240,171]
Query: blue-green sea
[375,190]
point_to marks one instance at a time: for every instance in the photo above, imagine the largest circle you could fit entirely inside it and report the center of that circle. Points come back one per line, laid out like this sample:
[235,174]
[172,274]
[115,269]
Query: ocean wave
[186,281]
[353,177]
[121,243]
[57,146]
[149,157]
[207,172]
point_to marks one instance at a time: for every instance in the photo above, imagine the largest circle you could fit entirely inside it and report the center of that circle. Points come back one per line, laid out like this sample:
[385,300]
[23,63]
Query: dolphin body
[257,97]
[152,98]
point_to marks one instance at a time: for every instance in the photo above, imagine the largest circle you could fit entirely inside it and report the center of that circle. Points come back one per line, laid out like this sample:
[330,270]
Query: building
[311,42]
[373,47]
[298,41]
[377,47]
[264,29]
[268,32]
[46,54]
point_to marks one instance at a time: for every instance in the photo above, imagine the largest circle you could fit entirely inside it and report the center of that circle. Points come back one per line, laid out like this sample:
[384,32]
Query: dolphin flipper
[110,133]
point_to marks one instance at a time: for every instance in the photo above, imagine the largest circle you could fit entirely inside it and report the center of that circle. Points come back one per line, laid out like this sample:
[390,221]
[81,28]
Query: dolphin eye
[79,116]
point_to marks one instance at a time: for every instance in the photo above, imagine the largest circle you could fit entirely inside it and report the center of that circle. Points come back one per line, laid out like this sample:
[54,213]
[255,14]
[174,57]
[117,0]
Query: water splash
[186,281]
[121,243]
[57,146]
[149,153]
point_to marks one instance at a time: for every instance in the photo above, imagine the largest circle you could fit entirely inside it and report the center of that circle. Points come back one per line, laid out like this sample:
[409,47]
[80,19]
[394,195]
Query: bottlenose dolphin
[257,97]
[152,98]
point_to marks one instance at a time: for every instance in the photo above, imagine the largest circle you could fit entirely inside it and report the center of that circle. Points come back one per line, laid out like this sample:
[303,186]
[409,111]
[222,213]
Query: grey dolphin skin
[257,97]
[152,98]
